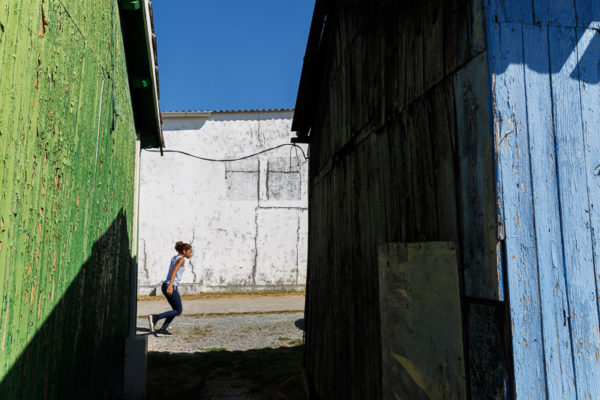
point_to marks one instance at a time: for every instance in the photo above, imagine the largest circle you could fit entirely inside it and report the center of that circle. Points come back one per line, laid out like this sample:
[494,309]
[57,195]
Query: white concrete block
[247,220]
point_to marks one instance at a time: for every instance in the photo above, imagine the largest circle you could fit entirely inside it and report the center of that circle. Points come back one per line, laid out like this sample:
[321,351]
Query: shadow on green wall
[78,352]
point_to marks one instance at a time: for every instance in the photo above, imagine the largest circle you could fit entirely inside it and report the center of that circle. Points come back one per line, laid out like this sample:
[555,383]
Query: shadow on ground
[271,373]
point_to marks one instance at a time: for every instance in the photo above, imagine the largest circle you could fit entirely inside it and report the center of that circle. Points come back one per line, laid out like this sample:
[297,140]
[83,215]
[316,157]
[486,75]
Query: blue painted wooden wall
[544,65]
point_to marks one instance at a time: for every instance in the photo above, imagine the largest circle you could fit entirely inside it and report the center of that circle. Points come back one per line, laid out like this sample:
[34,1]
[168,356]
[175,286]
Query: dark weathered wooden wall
[401,151]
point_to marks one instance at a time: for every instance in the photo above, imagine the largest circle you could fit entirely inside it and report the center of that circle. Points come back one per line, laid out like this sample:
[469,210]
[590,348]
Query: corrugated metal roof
[232,111]
[254,111]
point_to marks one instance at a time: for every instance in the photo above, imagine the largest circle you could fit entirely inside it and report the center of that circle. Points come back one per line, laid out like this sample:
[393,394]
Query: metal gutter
[140,54]
[150,45]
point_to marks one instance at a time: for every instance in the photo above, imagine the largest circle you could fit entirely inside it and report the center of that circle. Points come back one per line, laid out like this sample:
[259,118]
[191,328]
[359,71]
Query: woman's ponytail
[180,246]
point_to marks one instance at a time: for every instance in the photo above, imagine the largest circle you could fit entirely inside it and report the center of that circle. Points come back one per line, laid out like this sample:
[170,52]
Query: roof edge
[208,114]
[267,110]
[151,46]
[305,104]
[137,30]
[185,114]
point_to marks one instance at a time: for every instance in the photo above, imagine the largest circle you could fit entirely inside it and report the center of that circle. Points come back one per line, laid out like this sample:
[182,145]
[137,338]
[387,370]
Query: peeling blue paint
[545,75]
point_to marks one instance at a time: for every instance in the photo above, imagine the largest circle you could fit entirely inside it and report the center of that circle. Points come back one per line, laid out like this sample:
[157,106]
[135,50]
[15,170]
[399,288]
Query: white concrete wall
[247,220]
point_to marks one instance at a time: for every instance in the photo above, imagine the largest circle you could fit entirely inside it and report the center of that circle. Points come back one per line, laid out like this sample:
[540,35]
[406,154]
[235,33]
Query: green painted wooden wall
[66,197]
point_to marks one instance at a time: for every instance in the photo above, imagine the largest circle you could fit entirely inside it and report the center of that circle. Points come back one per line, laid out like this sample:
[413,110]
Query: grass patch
[198,332]
[216,349]
[290,342]
[202,331]
[247,329]
[229,295]
[264,373]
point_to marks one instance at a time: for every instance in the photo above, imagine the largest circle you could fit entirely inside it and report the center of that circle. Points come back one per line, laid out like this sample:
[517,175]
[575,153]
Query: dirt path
[228,332]
[228,356]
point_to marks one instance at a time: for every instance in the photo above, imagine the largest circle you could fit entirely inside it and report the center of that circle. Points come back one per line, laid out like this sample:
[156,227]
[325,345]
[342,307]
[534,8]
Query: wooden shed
[454,175]
[78,98]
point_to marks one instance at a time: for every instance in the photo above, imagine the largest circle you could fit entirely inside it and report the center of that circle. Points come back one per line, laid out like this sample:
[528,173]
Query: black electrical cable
[232,159]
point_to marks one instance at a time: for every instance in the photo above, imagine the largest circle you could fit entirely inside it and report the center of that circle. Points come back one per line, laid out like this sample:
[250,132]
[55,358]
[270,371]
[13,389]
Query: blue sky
[230,54]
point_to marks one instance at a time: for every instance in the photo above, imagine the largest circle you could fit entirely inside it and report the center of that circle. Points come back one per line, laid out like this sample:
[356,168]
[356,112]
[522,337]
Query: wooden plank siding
[552,285]
[483,274]
[446,121]
[66,200]
[546,90]
[574,204]
[517,201]
[401,151]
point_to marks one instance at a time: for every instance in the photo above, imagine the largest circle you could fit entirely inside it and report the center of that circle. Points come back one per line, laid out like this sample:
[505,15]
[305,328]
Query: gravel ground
[229,332]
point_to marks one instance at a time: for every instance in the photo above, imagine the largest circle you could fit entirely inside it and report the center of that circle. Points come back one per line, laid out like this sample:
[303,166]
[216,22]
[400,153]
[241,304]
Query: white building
[247,220]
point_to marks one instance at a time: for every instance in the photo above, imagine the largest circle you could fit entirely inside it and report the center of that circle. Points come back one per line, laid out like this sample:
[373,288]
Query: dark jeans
[175,302]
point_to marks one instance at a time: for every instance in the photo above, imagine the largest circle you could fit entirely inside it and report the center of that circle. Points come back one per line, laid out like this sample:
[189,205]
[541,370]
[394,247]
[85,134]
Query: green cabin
[78,98]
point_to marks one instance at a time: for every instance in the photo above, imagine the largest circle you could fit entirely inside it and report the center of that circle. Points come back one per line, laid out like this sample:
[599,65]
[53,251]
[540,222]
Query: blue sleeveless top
[178,273]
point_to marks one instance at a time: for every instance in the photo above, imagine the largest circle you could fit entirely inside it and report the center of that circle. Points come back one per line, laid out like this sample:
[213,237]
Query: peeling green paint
[66,182]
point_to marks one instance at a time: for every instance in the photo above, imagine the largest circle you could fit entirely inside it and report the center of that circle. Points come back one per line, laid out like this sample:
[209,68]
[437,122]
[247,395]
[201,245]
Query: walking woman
[169,289]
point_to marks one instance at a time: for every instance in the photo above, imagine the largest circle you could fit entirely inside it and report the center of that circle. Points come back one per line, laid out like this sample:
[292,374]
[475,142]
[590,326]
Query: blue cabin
[544,69]
[453,206]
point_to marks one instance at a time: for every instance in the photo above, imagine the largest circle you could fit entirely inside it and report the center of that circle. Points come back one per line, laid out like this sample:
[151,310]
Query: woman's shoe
[163,332]
[151,322]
